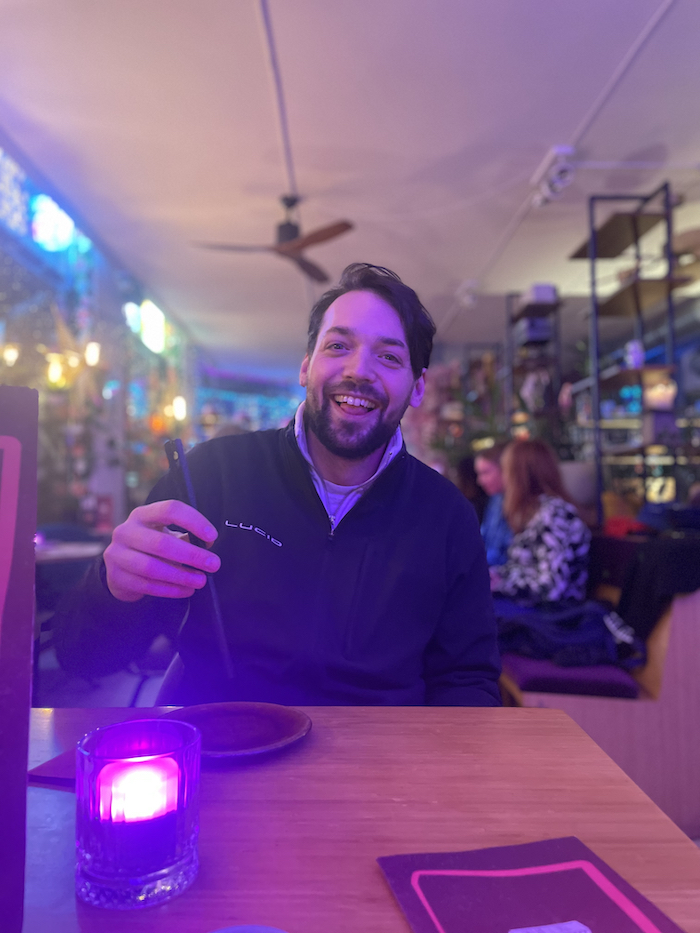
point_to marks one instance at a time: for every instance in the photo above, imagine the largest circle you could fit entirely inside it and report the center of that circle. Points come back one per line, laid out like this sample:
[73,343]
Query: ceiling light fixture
[554,173]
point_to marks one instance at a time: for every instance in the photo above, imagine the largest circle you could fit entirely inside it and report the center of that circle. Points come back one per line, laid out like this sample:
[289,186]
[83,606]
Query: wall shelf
[639,296]
[621,440]
[618,233]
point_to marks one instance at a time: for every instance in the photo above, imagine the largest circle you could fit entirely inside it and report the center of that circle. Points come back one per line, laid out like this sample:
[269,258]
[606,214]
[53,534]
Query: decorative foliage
[463,402]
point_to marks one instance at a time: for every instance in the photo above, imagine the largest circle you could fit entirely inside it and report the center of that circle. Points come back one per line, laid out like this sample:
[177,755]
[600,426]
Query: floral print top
[547,560]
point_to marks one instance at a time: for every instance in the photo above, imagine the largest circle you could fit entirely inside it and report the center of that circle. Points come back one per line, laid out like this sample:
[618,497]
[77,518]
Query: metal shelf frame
[639,227]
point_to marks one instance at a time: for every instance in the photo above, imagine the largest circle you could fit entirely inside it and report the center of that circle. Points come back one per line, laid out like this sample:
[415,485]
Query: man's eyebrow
[393,342]
[349,332]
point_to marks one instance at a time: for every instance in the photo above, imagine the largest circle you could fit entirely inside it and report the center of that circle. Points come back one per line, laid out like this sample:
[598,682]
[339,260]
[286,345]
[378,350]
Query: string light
[10,354]
[92,353]
[179,408]
[55,372]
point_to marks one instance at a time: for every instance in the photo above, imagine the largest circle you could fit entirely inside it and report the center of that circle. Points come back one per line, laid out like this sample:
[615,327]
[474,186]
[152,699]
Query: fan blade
[234,247]
[309,268]
[319,235]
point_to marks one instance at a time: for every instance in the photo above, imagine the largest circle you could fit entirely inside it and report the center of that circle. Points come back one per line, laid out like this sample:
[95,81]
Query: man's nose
[360,365]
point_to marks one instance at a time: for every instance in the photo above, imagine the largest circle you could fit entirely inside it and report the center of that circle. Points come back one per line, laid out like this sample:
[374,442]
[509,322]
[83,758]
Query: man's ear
[418,391]
[304,371]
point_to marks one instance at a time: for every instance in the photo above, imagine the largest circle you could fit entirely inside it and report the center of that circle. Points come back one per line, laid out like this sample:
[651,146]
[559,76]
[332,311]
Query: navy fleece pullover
[391,608]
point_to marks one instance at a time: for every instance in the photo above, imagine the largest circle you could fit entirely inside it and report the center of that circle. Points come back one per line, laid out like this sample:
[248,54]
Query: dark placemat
[519,888]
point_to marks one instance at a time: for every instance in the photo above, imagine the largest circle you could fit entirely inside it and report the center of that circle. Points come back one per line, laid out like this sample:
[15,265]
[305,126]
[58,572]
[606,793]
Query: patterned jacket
[548,559]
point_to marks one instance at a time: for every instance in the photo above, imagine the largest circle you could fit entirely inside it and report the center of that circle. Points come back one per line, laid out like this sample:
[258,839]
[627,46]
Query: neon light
[152,327]
[52,228]
[13,197]
[138,789]
[132,313]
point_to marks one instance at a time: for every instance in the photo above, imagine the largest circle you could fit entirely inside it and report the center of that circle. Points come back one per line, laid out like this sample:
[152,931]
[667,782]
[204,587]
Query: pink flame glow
[138,789]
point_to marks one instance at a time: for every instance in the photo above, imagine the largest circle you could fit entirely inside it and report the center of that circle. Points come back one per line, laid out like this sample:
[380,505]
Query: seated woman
[494,528]
[548,556]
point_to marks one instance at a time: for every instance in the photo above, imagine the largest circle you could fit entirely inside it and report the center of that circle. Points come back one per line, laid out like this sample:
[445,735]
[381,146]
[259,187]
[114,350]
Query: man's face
[359,380]
[488,476]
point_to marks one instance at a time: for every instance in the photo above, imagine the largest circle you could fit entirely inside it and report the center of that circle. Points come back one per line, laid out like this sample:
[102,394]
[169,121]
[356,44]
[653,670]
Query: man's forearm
[96,634]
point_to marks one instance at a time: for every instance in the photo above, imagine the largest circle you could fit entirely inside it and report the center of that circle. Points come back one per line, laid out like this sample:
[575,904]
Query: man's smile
[354,404]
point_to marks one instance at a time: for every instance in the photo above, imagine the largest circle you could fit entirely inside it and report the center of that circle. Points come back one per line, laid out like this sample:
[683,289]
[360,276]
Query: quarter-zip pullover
[393,609]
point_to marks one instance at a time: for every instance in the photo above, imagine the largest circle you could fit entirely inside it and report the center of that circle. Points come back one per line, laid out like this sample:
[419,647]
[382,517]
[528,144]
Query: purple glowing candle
[137,789]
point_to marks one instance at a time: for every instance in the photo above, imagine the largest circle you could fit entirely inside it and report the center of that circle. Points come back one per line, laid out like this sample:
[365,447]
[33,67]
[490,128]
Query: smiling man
[347,571]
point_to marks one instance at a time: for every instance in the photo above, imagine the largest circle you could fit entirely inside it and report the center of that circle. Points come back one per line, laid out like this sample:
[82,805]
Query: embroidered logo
[258,531]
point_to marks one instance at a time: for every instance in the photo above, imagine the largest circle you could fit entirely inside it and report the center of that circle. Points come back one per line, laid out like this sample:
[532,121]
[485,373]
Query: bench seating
[655,738]
[542,676]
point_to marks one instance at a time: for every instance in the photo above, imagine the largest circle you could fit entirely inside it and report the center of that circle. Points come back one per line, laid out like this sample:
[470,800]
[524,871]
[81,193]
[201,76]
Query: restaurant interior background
[456,143]
[178,183]
[460,141]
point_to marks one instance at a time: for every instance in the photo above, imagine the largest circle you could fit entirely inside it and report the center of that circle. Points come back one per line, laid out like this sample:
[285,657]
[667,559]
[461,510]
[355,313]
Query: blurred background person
[495,530]
[468,485]
[548,556]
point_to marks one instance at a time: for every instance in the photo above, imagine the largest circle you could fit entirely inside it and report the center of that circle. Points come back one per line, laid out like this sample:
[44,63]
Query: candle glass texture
[137,817]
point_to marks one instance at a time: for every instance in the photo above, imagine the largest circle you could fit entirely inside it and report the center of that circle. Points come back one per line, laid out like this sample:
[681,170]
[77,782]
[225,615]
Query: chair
[651,730]
[653,738]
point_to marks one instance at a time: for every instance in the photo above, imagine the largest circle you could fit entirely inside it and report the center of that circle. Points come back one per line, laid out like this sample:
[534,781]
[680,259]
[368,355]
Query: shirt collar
[392,448]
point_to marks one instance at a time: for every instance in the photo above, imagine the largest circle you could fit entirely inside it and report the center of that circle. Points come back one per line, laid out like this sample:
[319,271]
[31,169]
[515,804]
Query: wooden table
[291,841]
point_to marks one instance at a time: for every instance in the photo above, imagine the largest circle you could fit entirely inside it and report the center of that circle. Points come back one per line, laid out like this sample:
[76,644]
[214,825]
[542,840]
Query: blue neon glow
[52,228]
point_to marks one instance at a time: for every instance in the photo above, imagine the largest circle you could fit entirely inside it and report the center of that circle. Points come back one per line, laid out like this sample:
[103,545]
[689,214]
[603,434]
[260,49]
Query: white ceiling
[420,120]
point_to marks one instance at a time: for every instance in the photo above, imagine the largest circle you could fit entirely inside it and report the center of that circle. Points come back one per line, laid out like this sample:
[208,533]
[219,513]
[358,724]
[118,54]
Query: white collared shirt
[338,500]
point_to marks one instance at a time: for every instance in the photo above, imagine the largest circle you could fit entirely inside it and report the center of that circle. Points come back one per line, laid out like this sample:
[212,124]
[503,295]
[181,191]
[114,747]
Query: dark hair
[493,453]
[362,276]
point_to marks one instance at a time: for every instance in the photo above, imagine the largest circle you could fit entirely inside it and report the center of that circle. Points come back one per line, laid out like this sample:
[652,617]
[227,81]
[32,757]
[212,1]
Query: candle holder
[137,818]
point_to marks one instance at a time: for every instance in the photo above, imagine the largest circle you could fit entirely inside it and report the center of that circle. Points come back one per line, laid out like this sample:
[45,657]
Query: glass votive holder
[137,818]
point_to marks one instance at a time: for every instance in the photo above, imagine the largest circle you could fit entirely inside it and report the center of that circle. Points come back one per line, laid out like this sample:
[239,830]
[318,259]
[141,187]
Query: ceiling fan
[290,241]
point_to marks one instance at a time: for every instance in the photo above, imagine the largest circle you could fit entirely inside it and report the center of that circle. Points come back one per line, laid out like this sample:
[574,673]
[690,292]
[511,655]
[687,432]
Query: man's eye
[335,346]
[391,357]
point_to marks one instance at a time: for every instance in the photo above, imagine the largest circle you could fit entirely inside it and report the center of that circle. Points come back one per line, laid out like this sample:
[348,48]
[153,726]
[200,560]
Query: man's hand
[146,559]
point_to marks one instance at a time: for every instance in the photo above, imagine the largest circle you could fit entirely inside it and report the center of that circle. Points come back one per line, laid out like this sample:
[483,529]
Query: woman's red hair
[530,470]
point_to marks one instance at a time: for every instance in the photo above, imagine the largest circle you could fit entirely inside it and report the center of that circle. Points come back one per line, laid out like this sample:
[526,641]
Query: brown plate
[231,730]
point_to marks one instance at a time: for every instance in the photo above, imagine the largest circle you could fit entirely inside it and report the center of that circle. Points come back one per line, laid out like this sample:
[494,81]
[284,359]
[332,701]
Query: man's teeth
[354,400]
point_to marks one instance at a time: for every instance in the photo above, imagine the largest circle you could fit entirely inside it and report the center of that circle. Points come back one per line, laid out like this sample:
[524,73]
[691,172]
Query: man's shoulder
[234,445]
[435,487]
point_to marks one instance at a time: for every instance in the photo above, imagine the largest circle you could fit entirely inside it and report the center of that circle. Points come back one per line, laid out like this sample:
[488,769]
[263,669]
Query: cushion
[602,680]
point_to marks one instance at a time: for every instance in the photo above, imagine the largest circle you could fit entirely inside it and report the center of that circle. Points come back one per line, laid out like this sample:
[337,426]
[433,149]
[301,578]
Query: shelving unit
[536,346]
[643,436]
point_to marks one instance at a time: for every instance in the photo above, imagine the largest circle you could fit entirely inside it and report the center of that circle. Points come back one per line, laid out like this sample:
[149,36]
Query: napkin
[56,772]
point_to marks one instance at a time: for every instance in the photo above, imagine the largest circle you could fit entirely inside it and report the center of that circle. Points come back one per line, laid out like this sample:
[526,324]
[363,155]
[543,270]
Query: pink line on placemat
[615,895]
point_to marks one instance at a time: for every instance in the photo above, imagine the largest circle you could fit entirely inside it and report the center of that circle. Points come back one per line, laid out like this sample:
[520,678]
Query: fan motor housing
[287,231]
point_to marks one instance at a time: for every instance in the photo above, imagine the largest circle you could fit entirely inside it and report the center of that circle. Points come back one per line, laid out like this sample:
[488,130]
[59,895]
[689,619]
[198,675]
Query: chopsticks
[185,492]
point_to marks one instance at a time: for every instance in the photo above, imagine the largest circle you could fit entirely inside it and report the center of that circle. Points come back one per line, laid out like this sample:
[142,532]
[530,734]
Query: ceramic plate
[232,730]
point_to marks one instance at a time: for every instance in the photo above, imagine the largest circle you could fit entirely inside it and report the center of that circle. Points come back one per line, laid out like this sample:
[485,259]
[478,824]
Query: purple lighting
[141,790]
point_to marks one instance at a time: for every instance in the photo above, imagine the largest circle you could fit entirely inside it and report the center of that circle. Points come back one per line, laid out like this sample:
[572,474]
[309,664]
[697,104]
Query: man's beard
[350,440]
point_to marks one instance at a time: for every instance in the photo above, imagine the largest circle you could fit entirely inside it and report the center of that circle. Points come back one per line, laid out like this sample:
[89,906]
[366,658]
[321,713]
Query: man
[347,571]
